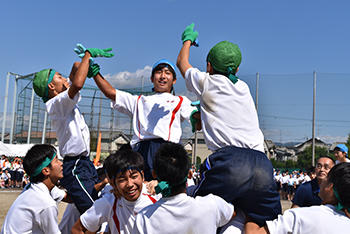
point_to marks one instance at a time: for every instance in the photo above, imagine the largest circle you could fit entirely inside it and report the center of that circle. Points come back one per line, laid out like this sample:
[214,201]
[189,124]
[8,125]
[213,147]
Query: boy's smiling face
[129,184]
[163,80]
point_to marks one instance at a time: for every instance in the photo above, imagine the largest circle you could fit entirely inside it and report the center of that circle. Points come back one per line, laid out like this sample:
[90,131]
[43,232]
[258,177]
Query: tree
[348,142]
[305,157]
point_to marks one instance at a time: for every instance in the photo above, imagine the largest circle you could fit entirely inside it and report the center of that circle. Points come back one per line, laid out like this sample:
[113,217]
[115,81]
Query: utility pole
[313,121]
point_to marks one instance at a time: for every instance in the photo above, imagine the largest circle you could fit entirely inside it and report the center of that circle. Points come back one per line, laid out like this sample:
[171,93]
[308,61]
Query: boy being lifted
[61,97]
[238,170]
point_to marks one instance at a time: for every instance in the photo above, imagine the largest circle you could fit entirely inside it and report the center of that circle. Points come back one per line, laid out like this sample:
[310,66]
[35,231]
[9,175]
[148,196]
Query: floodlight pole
[313,121]
[44,129]
[30,117]
[195,147]
[14,100]
[5,107]
[257,91]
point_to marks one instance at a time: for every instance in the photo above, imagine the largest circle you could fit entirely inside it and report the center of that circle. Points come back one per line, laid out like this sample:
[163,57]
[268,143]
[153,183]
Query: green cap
[41,81]
[225,55]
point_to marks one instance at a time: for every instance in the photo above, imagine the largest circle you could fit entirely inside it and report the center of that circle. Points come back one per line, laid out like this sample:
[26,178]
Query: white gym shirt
[184,214]
[34,211]
[228,112]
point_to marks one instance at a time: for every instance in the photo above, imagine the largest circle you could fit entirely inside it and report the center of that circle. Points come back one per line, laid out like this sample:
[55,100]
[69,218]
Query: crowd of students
[12,174]
[146,187]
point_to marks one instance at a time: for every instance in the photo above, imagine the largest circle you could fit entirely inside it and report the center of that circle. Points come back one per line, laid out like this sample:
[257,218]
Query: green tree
[348,142]
[305,157]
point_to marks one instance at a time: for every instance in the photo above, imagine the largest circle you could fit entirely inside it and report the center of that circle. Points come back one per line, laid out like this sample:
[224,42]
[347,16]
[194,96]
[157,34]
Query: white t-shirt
[122,212]
[34,211]
[184,214]
[72,132]
[315,219]
[346,160]
[228,113]
[155,116]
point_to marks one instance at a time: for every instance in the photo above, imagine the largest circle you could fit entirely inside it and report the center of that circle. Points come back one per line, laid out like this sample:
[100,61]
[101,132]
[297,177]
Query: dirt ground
[8,196]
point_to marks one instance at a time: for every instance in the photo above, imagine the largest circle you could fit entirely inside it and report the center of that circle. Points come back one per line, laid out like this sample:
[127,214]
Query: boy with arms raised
[156,118]
[61,99]
[238,170]
[35,210]
[331,217]
[176,212]
[125,173]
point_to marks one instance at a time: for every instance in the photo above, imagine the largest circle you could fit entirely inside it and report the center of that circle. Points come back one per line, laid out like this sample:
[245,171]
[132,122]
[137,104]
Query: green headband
[46,94]
[45,163]
[339,206]
[165,188]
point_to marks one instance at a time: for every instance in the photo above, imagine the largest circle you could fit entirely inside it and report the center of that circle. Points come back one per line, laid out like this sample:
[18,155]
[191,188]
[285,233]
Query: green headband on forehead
[51,75]
[44,164]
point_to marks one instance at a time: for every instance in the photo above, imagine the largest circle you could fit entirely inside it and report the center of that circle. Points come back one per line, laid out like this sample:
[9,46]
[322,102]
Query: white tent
[14,150]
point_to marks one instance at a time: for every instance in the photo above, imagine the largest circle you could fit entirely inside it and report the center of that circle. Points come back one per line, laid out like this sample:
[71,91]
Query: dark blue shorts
[243,177]
[148,149]
[79,178]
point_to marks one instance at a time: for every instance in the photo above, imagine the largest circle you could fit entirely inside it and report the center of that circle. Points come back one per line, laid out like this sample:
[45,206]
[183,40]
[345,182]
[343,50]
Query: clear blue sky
[276,37]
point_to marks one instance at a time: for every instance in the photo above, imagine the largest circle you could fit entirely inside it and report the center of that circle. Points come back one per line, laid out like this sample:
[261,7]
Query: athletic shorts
[243,177]
[148,149]
[285,187]
[79,179]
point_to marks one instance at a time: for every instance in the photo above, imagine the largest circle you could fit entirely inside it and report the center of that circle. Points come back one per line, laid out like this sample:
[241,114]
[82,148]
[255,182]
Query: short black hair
[121,161]
[163,65]
[325,156]
[34,157]
[171,164]
[339,176]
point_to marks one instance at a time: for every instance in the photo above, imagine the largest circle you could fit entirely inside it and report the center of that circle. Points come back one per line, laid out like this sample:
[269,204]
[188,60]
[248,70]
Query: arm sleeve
[285,223]
[97,214]
[186,109]
[224,211]
[62,104]
[57,194]
[195,80]
[48,220]
[124,102]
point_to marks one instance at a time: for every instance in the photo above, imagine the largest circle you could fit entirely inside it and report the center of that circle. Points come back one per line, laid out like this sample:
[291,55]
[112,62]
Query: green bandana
[225,55]
[45,163]
[41,81]
[165,188]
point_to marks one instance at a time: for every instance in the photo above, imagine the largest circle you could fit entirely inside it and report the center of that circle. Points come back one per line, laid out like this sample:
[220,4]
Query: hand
[190,35]
[151,186]
[94,69]
[95,52]
[80,50]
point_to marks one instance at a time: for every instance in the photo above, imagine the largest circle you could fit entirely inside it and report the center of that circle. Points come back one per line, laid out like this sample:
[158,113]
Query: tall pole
[44,129]
[313,121]
[30,117]
[195,148]
[257,91]
[14,101]
[5,107]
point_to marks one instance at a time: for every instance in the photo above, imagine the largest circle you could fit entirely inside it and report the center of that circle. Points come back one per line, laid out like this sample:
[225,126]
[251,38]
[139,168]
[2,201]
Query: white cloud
[128,79]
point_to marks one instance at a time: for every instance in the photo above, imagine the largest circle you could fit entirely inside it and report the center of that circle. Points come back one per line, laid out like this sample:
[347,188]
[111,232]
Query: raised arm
[189,37]
[105,86]
[183,58]
[79,75]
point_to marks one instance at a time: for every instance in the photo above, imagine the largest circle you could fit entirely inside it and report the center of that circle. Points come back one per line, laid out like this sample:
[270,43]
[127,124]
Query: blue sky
[285,41]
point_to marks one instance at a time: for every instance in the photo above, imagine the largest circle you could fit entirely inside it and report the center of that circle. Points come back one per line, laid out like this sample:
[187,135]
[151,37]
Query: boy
[238,170]
[176,212]
[35,210]
[331,217]
[125,172]
[61,99]
[156,118]
[341,153]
